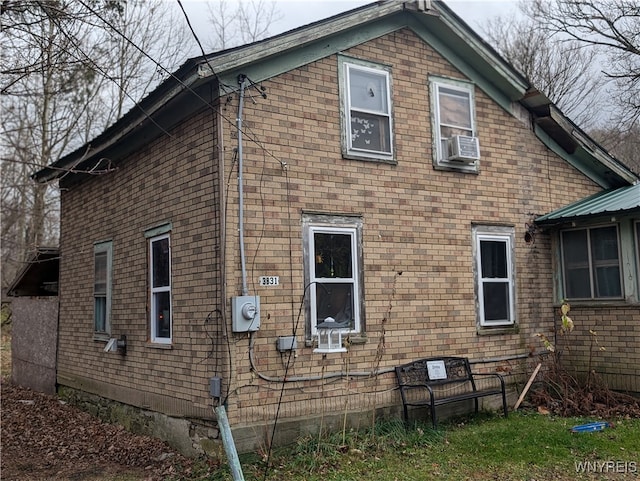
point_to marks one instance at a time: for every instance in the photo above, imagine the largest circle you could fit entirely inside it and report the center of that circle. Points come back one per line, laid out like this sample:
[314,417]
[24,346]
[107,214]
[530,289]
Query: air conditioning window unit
[464,149]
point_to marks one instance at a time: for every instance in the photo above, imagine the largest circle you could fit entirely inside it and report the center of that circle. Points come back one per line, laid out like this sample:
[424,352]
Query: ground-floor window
[494,275]
[591,263]
[333,268]
[160,288]
[102,266]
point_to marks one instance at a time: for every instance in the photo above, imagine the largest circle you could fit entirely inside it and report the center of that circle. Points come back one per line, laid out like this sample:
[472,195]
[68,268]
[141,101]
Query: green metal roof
[608,202]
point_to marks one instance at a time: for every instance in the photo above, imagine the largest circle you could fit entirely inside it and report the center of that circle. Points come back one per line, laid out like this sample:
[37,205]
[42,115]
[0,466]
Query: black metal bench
[442,380]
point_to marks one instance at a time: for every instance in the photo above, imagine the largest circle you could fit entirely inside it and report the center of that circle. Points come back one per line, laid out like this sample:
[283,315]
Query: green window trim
[160,229]
[591,263]
[102,288]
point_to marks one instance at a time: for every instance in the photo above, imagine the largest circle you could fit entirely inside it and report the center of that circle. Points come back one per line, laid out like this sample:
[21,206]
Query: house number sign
[269,281]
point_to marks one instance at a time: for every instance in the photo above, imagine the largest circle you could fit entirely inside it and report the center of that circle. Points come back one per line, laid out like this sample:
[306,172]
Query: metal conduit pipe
[331,375]
[229,445]
[242,79]
[307,378]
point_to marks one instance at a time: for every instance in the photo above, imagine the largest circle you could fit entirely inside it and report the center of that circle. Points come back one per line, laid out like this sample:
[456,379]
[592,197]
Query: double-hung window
[495,276]
[160,288]
[454,130]
[333,270]
[367,121]
[591,263]
[102,266]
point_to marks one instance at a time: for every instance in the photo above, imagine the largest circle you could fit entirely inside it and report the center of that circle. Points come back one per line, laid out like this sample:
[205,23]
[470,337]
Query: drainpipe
[245,291]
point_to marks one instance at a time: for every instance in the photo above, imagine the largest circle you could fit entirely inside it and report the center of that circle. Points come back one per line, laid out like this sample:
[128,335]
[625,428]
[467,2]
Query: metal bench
[442,380]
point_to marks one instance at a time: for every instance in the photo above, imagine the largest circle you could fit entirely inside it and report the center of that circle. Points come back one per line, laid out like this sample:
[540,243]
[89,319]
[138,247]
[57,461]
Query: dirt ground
[42,438]
[46,439]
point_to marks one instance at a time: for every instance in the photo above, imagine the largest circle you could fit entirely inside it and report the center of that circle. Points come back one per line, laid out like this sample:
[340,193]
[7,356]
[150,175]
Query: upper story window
[333,268]
[367,122]
[102,261]
[591,263]
[494,273]
[454,130]
[160,288]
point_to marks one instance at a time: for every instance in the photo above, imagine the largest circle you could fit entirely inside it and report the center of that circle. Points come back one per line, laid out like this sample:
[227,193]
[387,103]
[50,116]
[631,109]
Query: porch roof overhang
[608,203]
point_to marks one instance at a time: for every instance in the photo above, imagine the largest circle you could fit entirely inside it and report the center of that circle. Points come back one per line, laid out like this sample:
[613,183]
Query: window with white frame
[591,263]
[495,275]
[102,266]
[367,121]
[333,269]
[160,288]
[454,123]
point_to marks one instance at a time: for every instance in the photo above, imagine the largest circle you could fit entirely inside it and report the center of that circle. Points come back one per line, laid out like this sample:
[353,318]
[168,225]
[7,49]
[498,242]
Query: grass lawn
[526,446]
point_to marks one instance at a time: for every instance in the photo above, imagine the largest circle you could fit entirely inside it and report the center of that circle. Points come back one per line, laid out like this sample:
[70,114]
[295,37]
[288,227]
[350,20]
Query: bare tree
[155,28]
[585,56]
[241,21]
[70,68]
[224,22]
[625,145]
[560,69]
[45,89]
[613,27]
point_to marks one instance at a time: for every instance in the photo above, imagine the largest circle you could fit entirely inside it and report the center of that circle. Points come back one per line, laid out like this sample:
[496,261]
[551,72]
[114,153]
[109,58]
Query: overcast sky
[301,12]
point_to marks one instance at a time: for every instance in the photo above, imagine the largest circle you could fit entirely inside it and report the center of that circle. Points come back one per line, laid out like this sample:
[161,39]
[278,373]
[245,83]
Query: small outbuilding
[34,310]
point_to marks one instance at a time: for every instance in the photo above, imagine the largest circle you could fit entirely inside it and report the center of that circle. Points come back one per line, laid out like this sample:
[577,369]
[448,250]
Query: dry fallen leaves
[44,438]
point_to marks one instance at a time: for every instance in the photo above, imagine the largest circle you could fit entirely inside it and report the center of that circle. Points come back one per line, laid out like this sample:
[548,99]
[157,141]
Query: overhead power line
[180,81]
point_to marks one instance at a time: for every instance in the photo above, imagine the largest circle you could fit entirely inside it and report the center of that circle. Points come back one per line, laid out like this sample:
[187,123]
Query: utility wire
[106,75]
[181,82]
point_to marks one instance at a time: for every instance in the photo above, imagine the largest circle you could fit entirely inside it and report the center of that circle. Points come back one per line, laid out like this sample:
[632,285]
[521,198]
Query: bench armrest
[490,374]
[430,389]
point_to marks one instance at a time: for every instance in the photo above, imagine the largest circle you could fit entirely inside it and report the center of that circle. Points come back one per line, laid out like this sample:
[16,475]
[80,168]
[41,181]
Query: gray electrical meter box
[245,313]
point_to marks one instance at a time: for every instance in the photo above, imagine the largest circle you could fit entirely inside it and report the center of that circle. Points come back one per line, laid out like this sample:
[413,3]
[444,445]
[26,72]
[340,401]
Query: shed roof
[608,202]
[39,276]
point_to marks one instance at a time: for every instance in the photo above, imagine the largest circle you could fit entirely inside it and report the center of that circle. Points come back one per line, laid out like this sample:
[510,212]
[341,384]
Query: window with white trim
[102,275]
[160,289]
[495,275]
[591,263]
[453,115]
[333,271]
[367,121]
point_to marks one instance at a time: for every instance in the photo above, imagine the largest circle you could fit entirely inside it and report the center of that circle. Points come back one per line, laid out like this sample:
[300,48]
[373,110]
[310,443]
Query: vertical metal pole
[241,80]
[229,446]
